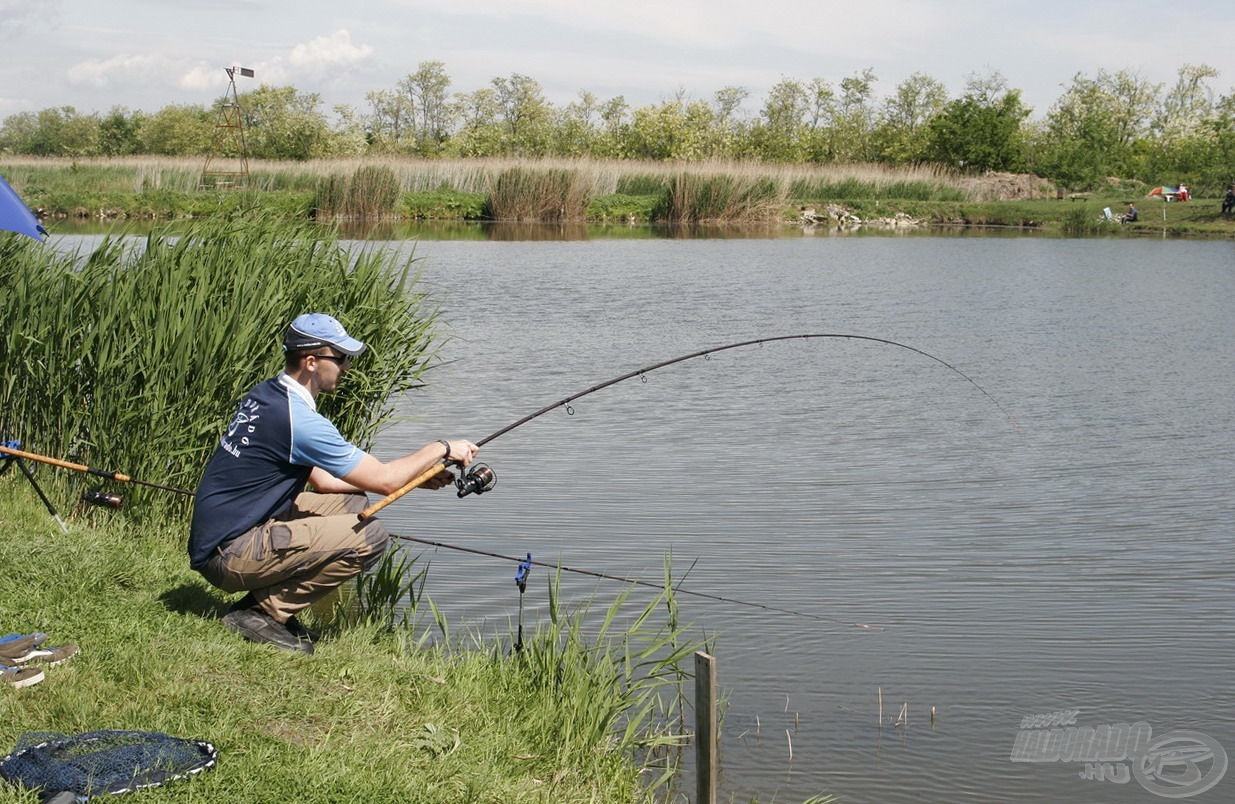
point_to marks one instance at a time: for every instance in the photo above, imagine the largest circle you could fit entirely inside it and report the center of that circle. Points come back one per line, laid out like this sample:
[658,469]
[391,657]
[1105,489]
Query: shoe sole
[51,657]
[29,680]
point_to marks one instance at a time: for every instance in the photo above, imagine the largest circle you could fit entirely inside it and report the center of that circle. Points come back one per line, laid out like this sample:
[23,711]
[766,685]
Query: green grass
[444,204]
[377,714]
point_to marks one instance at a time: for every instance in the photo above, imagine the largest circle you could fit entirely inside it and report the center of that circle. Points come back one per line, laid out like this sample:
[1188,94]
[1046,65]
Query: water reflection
[520,231]
[517,231]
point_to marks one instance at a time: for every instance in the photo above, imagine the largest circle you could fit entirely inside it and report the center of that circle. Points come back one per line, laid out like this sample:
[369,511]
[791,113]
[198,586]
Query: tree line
[1108,125]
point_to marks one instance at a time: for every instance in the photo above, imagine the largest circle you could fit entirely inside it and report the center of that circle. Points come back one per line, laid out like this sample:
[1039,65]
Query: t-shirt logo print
[242,424]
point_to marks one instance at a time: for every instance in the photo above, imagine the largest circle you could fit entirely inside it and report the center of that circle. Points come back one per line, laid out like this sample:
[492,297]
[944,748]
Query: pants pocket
[280,538]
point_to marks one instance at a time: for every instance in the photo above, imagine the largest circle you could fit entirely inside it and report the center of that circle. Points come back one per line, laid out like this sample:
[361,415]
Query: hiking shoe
[49,656]
[258,626]
[18,677]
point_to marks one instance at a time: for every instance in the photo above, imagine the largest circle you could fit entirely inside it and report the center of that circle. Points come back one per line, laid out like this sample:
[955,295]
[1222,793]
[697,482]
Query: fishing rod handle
[415,482]
[76,467]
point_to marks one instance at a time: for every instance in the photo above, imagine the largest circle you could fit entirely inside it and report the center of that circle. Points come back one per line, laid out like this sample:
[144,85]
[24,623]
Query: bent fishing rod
[481,478]
[5,449]
[528,562]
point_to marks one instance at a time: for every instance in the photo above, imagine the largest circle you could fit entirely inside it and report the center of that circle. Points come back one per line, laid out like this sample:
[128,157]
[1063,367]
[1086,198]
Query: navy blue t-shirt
[262,462]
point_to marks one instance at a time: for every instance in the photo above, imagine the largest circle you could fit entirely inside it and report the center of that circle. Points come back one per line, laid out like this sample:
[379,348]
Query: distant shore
[142,191]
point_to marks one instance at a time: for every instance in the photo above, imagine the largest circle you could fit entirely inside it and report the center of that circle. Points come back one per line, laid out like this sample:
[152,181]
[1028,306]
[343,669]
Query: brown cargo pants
[301,556]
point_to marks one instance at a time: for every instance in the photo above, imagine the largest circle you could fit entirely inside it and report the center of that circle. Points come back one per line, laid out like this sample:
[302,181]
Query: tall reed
[372,193]
[721,197]
[134,355]
[539,194]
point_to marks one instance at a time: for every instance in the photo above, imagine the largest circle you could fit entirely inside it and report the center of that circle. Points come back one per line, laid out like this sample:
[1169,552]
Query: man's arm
[380,477]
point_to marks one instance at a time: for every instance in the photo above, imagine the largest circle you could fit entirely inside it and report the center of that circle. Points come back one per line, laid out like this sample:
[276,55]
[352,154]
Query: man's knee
[376,541]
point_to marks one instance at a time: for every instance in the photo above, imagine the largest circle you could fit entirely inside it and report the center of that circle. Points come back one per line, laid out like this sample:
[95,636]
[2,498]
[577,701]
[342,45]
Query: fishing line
[637,582]
[486,479]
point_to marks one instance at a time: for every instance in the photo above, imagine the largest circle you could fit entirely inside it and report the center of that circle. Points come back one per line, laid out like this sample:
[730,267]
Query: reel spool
[103,499]
[476,479]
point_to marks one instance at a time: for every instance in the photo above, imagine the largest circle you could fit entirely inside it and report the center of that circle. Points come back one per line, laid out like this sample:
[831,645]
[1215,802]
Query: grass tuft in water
[706,198]
[539,194]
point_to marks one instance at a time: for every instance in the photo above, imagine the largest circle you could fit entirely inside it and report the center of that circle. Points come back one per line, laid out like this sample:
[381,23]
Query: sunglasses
[340,359]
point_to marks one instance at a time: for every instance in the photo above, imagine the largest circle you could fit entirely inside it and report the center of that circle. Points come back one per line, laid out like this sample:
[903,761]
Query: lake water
[1077,559]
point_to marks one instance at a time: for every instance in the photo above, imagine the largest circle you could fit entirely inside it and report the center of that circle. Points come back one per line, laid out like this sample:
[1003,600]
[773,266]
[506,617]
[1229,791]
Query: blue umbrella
[15,216]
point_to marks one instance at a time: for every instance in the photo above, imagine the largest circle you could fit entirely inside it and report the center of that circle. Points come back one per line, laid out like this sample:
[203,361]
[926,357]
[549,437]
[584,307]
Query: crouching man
[256,528]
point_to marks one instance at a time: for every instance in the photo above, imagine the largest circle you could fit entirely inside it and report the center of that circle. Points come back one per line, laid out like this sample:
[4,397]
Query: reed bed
[552,191]
[370,193]
[132,356]
[606,177]
[549,195]
[721,198]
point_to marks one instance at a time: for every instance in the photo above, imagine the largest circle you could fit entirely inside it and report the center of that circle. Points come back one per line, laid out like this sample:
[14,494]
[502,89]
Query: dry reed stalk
[473,175]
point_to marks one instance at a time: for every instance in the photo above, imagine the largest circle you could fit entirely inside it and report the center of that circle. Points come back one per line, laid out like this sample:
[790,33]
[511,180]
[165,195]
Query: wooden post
[706,742]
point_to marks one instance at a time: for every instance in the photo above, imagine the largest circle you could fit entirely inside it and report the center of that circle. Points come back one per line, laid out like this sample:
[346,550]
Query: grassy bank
[566,191]
[374,715]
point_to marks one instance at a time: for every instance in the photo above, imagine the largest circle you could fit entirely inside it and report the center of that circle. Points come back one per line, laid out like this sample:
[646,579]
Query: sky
[145,55]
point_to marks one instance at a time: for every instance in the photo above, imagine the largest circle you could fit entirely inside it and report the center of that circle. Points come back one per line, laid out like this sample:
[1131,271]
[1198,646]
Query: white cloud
[202,76]
[303,64]
[142,52]
[123,68]
[319,59]
[328,53]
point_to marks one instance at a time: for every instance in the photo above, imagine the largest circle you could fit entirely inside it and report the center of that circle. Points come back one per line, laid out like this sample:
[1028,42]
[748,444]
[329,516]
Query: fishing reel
[103,499]
[475,479]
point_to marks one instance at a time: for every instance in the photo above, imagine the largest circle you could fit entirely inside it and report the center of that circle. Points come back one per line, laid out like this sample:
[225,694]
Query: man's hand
[440,480]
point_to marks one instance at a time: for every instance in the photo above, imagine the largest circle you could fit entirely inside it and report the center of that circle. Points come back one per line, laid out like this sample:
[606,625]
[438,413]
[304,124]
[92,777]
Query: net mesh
[106,762]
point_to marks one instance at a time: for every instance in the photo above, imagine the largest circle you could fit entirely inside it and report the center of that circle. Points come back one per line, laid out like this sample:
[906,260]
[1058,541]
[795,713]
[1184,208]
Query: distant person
[257,529]
[1228,201]
[1131,216]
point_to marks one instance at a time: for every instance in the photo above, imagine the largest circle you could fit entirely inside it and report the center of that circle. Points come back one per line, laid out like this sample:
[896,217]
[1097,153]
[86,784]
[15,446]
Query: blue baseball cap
[315,330]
